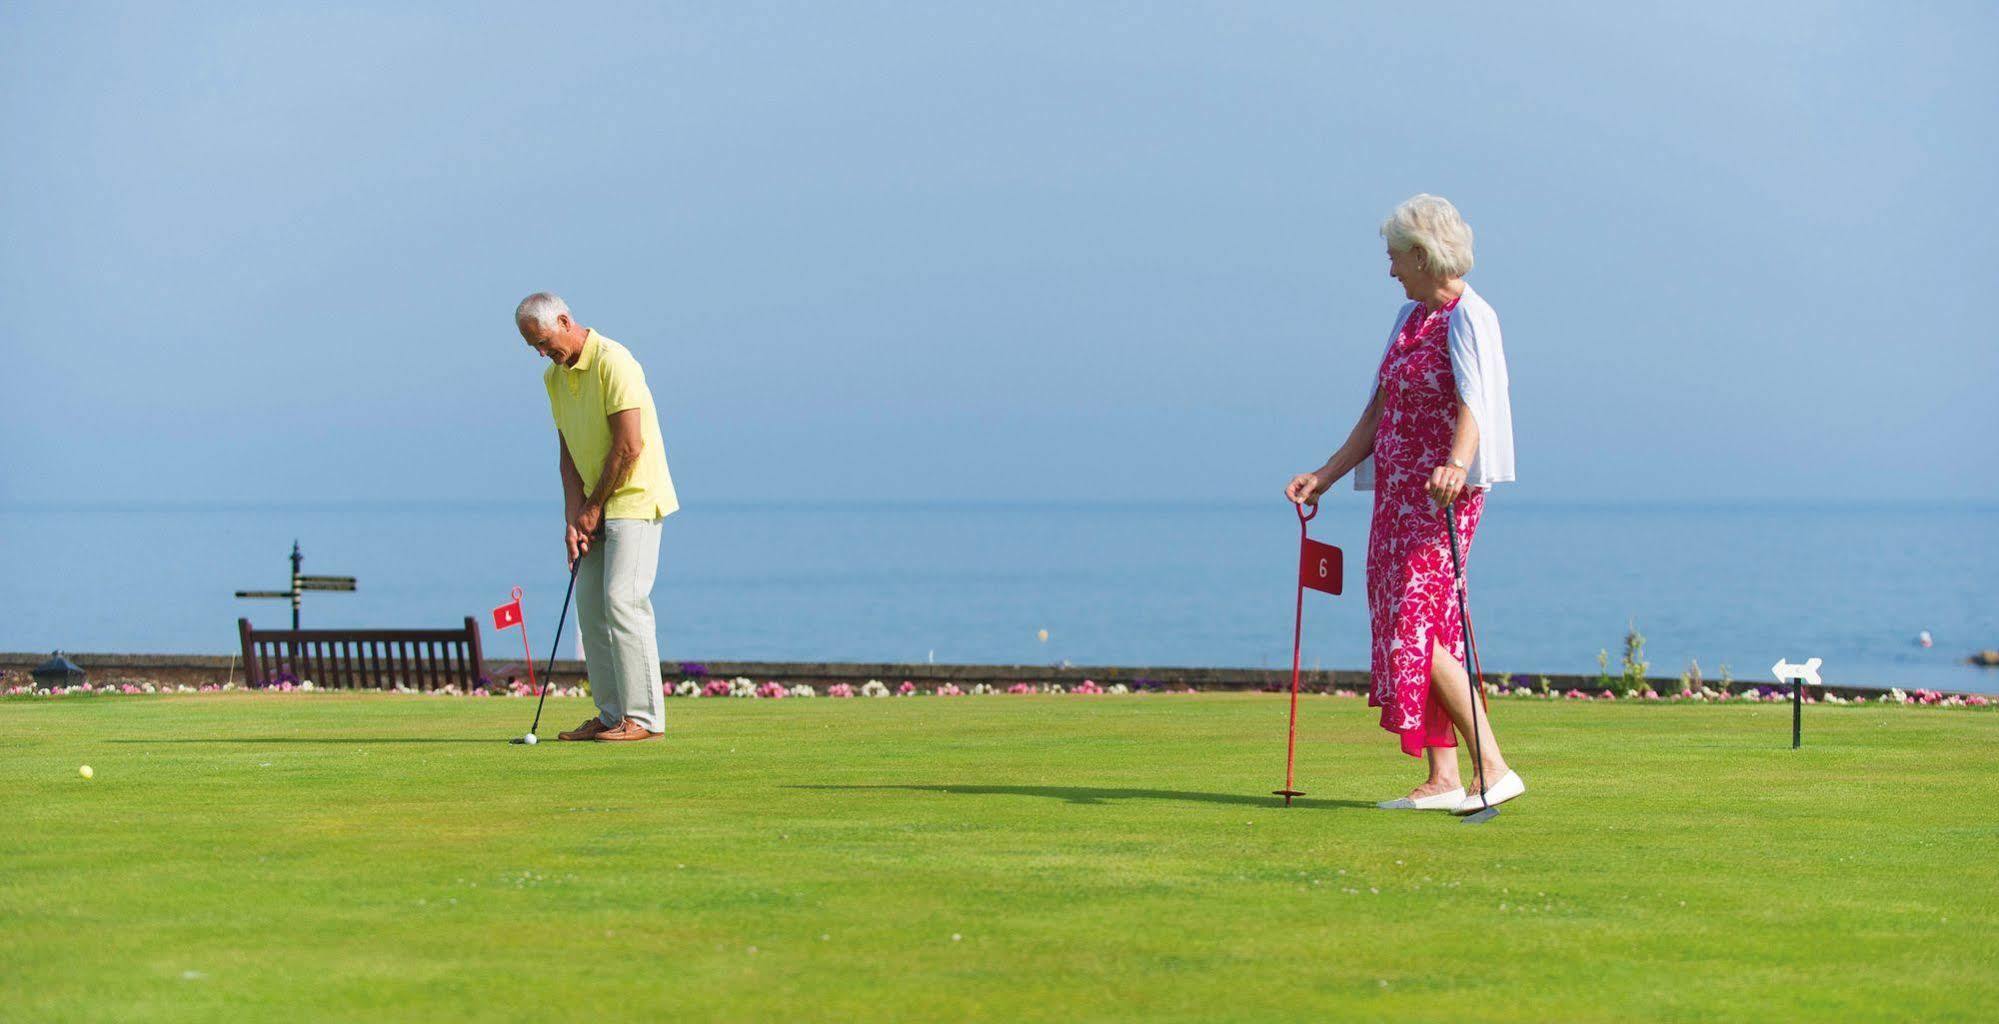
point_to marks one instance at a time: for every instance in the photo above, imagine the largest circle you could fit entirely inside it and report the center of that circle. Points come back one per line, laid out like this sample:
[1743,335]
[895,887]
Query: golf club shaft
[556,645]
[1464,619]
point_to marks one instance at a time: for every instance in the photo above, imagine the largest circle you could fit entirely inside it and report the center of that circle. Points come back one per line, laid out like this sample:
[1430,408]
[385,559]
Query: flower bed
[745,688]
[129,688]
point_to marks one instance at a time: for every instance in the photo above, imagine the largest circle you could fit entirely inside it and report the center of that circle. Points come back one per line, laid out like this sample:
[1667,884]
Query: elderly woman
[1436,435]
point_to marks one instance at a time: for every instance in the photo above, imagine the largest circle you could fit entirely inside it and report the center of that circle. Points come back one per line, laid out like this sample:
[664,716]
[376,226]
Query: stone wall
[199,669]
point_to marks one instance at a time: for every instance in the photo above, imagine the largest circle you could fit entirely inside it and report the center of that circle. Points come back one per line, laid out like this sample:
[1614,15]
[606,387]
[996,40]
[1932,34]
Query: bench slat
[421,659]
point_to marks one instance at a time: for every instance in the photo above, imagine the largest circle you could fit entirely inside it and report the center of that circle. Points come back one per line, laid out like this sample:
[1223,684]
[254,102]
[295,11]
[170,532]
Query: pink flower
[1020,688]
[771,691]
[715,688]
[907,688]
[839,690]
[1087,686]
[1576,695]
[950,690]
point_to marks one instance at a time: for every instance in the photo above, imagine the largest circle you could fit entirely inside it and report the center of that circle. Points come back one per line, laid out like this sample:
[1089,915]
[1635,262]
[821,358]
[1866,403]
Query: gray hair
[541,309]
[1431,226]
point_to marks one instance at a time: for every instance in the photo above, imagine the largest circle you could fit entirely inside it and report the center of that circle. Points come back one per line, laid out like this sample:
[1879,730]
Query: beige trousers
[614,610]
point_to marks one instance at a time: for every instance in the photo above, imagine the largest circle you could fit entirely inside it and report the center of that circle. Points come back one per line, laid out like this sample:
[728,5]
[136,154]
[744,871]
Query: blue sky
[1002,251]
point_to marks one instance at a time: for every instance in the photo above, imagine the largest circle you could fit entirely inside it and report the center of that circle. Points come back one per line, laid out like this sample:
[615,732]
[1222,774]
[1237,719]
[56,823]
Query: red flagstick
[509,615]
[1319,567]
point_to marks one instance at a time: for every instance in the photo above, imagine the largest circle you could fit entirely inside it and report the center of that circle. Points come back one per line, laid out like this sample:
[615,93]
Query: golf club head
[1480,817]
[518,741]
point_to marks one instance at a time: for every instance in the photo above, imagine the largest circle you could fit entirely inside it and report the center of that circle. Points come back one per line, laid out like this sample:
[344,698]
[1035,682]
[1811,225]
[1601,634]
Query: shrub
[1635,665]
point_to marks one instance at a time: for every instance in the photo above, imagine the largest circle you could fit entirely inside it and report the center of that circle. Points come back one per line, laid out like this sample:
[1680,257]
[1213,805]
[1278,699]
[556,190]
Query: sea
[1733,587]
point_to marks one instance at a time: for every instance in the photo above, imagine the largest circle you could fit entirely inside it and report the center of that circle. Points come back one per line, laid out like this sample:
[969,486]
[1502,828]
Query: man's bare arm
[627,444]
[572,481]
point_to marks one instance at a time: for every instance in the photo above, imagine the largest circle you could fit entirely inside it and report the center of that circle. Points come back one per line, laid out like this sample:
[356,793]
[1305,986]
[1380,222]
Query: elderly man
[615,491]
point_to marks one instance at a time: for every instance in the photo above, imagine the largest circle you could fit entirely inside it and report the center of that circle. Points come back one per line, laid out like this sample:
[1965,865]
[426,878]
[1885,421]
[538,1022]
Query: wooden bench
[420,659]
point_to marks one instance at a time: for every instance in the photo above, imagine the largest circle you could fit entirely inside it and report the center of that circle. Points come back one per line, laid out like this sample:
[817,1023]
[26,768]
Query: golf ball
[85,771]
[530,739]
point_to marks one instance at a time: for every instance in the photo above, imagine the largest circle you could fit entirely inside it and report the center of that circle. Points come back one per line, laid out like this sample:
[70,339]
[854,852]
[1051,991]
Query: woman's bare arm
[1359,444]
[1306,487]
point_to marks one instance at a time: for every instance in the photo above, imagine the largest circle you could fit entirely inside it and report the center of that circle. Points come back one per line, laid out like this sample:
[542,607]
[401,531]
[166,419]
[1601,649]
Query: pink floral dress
[1410,598]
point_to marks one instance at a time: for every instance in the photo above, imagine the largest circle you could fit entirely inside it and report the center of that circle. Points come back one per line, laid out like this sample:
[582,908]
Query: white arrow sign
[1787,672]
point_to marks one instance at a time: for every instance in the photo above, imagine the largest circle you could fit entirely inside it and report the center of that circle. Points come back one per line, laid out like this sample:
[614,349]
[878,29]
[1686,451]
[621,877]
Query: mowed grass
[1002,858]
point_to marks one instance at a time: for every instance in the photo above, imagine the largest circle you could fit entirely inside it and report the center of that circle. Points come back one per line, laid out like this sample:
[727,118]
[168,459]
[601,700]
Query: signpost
[1797,676]
[300,584]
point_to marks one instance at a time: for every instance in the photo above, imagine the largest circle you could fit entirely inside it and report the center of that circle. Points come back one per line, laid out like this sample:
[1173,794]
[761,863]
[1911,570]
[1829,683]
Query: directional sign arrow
[1808,672]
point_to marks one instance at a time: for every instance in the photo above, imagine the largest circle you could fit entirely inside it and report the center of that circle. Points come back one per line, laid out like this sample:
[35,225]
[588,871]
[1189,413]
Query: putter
[552,648]
[1486,811]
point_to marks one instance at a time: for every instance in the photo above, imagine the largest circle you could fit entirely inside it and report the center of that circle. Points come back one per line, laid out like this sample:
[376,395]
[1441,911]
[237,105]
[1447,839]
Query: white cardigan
[1478,361]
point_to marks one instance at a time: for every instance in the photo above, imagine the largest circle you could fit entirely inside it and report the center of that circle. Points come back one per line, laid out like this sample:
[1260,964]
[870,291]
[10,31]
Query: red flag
[507,615]
[1319,567]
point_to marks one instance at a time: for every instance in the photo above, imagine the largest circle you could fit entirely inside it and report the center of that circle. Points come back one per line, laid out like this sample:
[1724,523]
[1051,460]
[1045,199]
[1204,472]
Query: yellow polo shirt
[606,379]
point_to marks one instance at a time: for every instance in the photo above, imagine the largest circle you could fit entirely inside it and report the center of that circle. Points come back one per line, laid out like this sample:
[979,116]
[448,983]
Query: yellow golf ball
[85,771]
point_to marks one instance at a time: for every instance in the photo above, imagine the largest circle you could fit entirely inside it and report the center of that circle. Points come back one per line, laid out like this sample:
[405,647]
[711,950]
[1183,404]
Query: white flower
[1118,688]
[874,688]
[983,688]
[742,687]
[802,690]
[687,688]
[1056,688]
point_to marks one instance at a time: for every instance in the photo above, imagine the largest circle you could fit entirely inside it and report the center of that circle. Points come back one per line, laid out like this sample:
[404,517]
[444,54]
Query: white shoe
[1508,787]
[1434,802]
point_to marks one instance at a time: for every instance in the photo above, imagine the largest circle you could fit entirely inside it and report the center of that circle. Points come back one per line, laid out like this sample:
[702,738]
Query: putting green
[1048,858]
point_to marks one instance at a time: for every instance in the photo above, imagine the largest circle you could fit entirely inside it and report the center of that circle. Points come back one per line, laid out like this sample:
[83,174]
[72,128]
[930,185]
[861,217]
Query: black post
[297,560]
[1798,711]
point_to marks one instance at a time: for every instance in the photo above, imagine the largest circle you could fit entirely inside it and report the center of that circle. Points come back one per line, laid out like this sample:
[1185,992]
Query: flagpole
[1297,642]
[526,651]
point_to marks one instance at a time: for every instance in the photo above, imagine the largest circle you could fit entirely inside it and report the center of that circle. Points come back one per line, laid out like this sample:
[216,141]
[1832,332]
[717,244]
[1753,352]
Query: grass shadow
[1102,795]
[321,740]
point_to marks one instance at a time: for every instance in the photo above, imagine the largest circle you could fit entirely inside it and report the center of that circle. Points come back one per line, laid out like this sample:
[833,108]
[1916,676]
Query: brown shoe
[587,731]
[626,731]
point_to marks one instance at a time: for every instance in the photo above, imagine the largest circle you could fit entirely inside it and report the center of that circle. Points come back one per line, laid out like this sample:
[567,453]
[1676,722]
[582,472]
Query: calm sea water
[1139,584]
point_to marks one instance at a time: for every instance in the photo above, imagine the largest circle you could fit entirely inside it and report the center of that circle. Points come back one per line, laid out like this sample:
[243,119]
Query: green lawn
[1003,858]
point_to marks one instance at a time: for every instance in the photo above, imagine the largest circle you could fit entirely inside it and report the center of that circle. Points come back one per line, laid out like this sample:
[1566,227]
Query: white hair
[541,309]
[1431,226]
